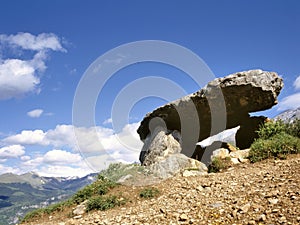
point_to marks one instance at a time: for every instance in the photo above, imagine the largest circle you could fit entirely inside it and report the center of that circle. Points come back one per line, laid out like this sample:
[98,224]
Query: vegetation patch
[278,146]
[276,140]
[218,164]
[149,192]
[104,202]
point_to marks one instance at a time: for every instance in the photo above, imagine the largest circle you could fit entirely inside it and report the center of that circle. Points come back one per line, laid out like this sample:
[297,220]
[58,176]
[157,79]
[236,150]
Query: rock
[240,155]
[245,208]
[223,103]
[159,146]
[273,201]
[235,161]
[124,178]
[183,217]
[221,153]
[192,173]
[174,164]
[80,209]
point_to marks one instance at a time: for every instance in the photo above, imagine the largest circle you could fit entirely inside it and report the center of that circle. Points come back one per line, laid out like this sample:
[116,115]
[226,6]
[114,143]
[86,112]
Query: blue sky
[46,47]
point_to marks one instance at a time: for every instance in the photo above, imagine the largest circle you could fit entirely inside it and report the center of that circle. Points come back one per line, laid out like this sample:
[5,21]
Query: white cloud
[19,77]
[35,113]
[107,121]
[11,151]
[297,83]
[99,146]
[64,171]
[94,139]
[61,157]
[28,41]
[25,158]
[28,137]
[57,163]
[8,169]
[289,102]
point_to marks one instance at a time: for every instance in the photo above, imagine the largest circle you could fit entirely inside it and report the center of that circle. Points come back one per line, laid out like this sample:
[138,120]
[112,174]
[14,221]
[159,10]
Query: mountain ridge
[20,194]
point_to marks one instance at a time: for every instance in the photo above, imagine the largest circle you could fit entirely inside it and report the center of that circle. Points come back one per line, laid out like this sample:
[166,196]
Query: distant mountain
[20,194]
[289,115]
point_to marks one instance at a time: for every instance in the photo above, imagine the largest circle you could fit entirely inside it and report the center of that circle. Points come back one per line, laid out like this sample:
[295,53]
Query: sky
[62,113]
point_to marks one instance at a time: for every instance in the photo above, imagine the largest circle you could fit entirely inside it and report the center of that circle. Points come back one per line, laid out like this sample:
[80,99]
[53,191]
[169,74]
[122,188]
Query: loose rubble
[267,192]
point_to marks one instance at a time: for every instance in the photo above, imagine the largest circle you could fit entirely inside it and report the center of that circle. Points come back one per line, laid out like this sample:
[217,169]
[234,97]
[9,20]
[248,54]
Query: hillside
[265,192]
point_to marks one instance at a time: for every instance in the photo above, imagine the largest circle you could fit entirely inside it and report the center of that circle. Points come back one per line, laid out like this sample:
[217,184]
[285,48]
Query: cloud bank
[75,150]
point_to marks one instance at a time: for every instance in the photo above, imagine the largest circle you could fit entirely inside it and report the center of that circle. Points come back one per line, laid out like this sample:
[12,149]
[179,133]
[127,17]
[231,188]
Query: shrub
[218,164]
[83,194]
[103,202]
[149,193]
[294,128]
[278,146]
[269,129]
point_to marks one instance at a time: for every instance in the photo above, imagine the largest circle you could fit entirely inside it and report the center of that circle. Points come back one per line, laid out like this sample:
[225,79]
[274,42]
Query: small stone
[183,217]
[235,160]
[251,222]
[282,219]
[199,188]
[245,208]
[275,210]
[77,217]
[262,217]
[273,201]
[234,213]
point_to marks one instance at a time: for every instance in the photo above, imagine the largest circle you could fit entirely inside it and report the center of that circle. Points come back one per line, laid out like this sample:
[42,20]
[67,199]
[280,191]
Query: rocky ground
[267,192]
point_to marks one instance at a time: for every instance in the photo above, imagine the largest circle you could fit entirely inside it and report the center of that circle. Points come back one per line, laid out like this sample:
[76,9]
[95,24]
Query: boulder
[159,147]
[176,164]
[223,103]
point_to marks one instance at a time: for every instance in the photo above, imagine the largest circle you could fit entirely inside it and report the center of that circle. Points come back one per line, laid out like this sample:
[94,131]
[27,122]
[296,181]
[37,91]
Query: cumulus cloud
[35,113]
[99,146]
[64,171]
[29,41]
[8,169]
[97,139]
[107,121]
[25,158]
[61,157]
[11,151]
[57,163]
[28,137]
[297,83]
[19,77]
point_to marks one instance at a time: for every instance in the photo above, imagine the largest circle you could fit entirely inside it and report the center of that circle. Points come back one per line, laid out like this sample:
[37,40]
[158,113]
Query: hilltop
[261,193]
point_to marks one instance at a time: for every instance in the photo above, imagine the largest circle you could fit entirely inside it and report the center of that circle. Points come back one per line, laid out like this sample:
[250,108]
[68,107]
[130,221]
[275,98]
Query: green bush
[269,129]
[149,193]
[218,164]
[83,194]
[278,146]
[294,128]
[103,203]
